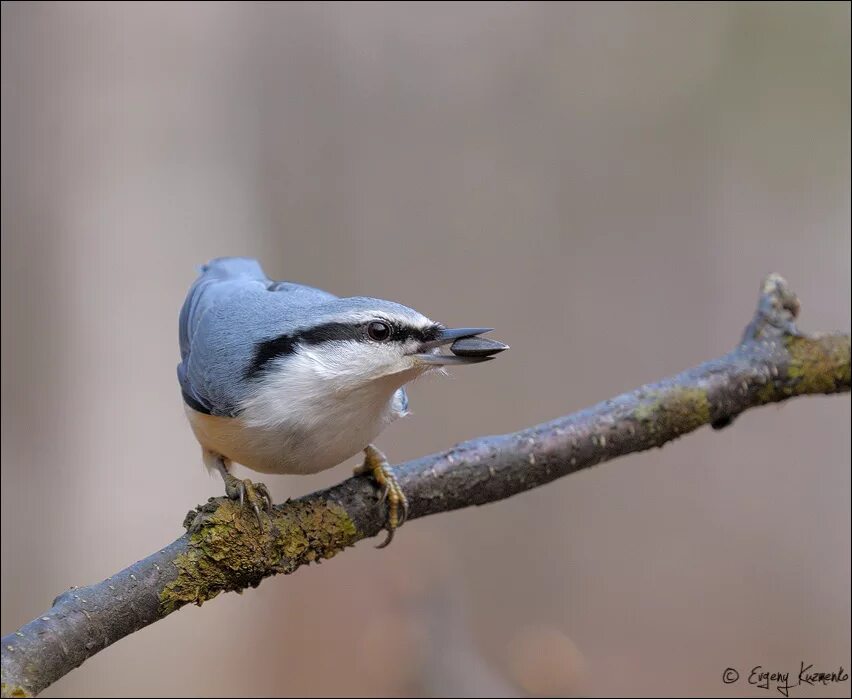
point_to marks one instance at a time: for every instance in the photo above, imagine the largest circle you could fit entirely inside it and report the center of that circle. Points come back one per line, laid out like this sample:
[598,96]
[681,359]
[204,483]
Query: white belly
[305,437]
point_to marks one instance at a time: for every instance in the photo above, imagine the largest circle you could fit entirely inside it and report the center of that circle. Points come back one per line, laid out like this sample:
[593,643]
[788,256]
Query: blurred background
[605,184]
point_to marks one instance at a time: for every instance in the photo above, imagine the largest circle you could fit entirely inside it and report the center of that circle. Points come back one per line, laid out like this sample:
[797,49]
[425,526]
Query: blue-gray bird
[286,378]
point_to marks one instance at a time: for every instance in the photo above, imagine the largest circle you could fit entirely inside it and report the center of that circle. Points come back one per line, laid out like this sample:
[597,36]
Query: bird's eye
[378,331]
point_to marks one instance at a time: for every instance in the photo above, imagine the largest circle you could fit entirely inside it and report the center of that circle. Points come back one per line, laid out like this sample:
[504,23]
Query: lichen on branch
[226,550]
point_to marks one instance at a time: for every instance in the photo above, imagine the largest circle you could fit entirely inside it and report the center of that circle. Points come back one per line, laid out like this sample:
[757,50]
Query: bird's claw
[378,467]
[256,495]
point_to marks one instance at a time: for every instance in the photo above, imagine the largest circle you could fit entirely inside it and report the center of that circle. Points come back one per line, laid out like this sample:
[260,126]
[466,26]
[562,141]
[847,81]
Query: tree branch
[224,549]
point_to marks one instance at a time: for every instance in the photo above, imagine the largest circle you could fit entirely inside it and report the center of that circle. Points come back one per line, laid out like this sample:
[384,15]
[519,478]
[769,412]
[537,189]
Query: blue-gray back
[230,308]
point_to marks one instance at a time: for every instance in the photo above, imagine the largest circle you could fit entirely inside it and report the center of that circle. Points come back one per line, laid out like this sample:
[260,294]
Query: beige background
[606,184]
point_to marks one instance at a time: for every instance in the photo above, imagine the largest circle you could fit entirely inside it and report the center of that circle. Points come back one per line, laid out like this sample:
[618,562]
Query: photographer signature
[762,678]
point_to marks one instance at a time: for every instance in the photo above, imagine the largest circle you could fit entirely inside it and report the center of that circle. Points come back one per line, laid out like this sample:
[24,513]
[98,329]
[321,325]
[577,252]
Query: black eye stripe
[285,344]
[329,332]
[265,352]
[420,334]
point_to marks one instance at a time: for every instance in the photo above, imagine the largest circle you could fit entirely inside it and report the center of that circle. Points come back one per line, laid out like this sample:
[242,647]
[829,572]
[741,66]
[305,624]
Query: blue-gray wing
[400,402]
[228,309]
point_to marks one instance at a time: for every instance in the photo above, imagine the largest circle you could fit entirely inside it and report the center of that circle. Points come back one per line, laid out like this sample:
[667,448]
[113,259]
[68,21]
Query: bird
[285,378]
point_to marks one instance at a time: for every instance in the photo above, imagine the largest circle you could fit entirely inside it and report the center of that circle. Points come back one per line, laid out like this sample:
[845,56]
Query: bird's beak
[427,355]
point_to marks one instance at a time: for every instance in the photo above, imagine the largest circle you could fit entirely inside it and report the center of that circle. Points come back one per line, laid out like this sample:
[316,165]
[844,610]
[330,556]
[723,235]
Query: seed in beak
[476,347]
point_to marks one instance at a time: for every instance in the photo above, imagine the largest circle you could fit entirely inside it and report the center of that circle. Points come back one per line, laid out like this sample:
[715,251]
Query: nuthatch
[286,378]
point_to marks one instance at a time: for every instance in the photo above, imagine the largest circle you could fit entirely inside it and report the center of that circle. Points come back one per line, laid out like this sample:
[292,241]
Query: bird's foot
[376,465]
[255,495]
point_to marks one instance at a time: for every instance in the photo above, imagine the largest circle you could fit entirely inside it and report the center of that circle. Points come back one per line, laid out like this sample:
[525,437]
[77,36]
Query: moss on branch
[228,551]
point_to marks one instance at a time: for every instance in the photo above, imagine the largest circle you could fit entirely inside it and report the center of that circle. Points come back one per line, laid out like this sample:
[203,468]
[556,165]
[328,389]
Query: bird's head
[352,342]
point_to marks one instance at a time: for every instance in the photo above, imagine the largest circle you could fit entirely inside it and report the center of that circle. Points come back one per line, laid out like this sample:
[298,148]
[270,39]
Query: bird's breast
[275,433]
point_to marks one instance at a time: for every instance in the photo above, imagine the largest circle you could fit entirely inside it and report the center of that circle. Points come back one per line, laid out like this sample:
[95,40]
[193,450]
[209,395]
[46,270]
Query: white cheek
[332,393]
[411,346]
[349,362]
